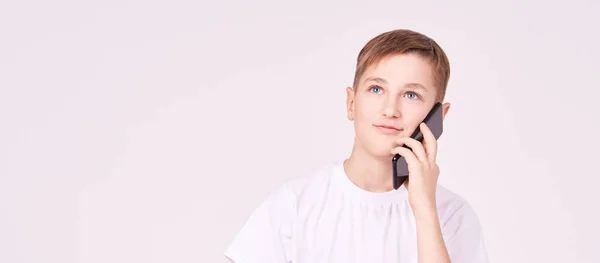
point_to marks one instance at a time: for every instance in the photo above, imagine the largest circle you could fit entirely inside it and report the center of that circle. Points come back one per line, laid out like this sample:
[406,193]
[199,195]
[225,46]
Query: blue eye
[375,89]
[414,95]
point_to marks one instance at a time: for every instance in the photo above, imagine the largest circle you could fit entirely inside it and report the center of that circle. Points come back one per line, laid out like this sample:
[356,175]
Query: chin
[381,151]
[383,155]
[379,148]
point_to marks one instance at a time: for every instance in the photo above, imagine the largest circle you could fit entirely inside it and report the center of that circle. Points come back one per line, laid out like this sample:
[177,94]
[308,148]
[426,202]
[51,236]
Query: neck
[371,173]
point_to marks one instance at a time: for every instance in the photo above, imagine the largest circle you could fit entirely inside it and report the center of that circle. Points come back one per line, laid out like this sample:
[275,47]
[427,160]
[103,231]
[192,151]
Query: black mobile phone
[433,120]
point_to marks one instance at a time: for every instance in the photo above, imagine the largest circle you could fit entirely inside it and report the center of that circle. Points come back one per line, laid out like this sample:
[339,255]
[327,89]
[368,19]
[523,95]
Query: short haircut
[404,41]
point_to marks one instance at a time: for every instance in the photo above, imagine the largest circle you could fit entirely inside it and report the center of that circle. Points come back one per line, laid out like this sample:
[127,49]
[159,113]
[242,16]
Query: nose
[391,109]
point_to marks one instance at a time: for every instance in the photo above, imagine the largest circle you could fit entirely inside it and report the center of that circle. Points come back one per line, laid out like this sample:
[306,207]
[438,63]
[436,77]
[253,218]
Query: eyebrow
[412,85]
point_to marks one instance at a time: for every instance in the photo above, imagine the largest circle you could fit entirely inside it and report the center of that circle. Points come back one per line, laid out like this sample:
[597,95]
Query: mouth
[386,129]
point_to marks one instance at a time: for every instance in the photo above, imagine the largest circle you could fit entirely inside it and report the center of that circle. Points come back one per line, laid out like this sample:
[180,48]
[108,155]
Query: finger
[429,142]
[409,156]
[416,147]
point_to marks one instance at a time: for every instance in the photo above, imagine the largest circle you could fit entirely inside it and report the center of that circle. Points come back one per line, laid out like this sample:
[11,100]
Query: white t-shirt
[325,217]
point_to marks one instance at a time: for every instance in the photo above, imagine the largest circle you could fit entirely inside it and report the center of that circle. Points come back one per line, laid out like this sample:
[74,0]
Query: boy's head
[399,76]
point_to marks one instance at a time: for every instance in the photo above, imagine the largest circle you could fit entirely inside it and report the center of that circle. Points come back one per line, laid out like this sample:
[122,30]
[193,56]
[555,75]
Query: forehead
[399,70]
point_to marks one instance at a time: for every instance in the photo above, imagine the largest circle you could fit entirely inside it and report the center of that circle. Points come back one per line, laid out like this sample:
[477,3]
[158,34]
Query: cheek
[365,109]
[413,116]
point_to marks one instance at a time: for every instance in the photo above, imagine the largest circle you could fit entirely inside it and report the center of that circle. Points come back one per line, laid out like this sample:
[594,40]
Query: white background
[147,131]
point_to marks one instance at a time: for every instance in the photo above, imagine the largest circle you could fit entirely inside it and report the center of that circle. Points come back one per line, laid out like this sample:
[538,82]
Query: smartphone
[433,120]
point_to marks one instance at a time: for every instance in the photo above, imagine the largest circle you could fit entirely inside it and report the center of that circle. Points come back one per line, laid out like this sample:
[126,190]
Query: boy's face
[391,99]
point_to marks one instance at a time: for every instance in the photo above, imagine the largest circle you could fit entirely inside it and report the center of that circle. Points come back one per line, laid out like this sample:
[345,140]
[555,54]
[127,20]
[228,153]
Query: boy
[349,211]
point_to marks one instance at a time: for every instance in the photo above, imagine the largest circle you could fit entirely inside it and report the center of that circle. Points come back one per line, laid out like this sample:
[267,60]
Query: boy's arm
[422,186]
[458,239]
[464,241]
[430,241]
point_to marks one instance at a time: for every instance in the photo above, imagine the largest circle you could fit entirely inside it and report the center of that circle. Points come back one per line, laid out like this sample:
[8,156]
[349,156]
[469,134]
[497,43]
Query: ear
[446,108]
[350,96]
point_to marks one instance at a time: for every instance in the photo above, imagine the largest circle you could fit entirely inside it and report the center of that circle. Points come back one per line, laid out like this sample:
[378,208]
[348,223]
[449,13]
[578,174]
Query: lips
[388,129]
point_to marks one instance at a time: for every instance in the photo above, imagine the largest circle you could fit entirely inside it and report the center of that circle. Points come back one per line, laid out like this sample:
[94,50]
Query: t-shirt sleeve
[266,235]
[464,237]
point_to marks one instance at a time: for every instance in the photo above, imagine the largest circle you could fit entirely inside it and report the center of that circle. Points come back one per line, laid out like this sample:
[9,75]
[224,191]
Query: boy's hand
[422,167]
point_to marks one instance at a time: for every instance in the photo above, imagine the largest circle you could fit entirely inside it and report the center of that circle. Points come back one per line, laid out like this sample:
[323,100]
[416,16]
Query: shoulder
[457,216]
[305,188]
[452,206]
[283,202]
[448,199]
[317,179]
[461,228]
[267,234]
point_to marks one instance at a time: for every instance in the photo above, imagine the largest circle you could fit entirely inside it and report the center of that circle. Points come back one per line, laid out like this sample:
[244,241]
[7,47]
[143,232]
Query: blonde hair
[403,41]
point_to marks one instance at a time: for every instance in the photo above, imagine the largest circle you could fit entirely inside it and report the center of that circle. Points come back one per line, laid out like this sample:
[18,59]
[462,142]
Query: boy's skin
[389,101]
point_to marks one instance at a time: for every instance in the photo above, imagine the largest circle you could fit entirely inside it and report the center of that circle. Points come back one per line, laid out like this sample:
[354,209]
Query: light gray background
[147,131]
